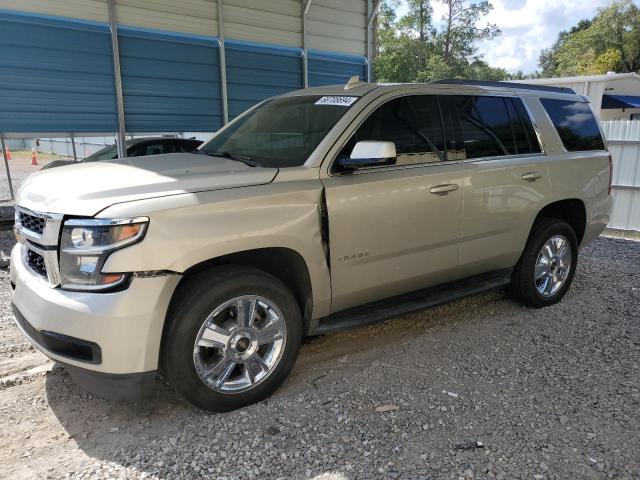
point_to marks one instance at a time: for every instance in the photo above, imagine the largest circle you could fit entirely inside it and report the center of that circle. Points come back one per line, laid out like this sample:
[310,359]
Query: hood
[86,188]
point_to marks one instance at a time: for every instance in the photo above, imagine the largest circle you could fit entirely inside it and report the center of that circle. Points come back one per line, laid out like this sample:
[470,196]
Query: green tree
[461,32]
[413,49]
[609,41]
[419,20]
[400,54]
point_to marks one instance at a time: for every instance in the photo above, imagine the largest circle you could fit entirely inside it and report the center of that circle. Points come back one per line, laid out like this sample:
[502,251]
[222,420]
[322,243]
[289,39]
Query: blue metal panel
[56,75]
[171,82]
[256,72]
[327,68]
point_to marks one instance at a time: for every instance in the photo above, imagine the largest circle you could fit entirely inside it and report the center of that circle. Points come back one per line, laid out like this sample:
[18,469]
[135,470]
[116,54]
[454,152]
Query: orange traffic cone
[34,160]
[8,152]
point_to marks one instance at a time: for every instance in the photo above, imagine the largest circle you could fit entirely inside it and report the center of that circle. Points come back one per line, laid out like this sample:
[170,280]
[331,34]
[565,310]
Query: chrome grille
[39,233]
[36,263]
[32,223]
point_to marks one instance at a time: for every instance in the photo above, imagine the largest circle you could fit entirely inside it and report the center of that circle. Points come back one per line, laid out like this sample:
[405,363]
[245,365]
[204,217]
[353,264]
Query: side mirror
[370,154]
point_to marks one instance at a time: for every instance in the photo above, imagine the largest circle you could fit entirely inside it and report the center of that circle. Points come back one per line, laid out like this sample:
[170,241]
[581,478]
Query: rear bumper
[598,213]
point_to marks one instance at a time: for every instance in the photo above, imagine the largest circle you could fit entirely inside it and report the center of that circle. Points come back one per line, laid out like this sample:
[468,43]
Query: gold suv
[322,209]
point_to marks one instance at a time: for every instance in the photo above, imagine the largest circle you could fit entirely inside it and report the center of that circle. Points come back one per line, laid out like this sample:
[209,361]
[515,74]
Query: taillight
[610,173]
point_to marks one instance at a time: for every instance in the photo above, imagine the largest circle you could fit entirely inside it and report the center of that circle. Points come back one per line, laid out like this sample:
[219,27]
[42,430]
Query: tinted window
[187,145]
[575,124]
[524,133]
[485,126]
[412,123]
[154,148]
[107,153]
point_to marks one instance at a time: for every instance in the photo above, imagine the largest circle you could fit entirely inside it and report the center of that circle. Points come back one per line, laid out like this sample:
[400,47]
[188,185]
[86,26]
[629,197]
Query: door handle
[444,189]
[532,177]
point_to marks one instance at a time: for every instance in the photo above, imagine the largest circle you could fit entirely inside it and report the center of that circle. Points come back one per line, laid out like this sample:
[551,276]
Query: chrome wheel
[239,344]
[553,265]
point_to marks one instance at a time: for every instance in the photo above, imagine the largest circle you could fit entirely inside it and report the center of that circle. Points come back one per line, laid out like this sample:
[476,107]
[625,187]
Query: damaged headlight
[85,246]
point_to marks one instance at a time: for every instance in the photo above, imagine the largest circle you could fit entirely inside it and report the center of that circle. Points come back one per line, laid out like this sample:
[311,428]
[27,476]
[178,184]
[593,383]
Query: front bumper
[119,332]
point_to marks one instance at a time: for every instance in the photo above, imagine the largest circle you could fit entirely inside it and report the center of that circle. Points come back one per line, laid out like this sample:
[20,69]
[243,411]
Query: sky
[527,27]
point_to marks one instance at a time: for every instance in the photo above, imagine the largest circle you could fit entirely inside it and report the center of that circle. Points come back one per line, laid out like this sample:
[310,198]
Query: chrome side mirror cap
[370,154]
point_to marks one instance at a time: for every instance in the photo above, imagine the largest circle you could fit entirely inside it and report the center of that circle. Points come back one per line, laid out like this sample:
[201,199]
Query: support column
[6,165]
[73,146]
[113,27]
[306,4]
[223,63]
[372,12]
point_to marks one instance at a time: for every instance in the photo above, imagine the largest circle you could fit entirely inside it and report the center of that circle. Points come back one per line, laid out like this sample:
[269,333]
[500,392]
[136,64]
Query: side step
[381,310]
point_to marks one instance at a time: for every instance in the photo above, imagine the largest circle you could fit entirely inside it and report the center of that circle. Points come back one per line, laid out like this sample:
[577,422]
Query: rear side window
[485,126]
[575,123]
[523,131]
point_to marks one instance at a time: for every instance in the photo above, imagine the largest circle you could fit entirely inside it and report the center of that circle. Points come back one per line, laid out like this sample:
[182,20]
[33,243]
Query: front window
[282,132]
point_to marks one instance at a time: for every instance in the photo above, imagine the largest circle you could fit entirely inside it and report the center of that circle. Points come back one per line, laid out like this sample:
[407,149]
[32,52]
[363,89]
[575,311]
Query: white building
[615,96]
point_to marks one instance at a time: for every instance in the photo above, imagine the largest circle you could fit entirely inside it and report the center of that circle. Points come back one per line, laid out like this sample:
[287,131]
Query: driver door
[395,229]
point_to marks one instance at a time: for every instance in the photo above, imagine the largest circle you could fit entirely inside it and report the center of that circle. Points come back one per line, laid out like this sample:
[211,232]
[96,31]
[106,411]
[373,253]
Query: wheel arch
[286,264]
[571,210]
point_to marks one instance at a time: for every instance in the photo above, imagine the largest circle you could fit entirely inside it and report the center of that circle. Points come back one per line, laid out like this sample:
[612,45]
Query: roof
[518,85]
[452,86]
[587,78]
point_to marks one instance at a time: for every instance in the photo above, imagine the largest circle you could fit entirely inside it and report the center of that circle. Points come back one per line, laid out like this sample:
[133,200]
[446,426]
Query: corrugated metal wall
[198,17]
[171,82]
[330,68]
[256,72]
[58,76]
[337,26]
[95,10]
[624,144]
[264,22]
[55,75]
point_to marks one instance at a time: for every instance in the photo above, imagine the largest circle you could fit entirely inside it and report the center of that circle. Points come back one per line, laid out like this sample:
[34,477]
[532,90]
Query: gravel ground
[480,388]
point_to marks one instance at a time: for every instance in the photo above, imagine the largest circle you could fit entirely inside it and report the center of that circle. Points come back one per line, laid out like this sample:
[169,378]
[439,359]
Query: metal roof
[588,78]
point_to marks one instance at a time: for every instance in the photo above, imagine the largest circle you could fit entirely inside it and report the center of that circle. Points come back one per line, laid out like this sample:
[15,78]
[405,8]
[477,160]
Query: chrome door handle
[444,189]
[532,177]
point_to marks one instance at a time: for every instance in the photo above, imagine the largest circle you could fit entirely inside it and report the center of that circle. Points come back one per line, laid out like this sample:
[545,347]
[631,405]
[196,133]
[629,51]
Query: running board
[382,310]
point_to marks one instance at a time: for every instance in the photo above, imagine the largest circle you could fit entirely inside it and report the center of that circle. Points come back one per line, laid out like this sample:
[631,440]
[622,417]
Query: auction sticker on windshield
[339,101]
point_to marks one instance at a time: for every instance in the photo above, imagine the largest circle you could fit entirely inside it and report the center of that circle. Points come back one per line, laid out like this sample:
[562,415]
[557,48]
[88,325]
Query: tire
[259,368]
[524,286]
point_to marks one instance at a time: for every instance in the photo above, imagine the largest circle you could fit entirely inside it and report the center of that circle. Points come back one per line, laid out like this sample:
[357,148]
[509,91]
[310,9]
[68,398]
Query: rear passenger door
[508,179]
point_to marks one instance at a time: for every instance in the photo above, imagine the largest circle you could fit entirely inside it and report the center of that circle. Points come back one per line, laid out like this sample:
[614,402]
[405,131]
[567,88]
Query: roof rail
[522,86]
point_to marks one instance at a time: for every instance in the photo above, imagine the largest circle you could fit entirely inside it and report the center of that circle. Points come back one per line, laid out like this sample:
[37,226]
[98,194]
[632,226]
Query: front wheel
[547,266]
[233,336]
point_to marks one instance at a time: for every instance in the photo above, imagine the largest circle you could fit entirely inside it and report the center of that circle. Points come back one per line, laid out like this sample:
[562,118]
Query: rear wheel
[545,271]
[233,336]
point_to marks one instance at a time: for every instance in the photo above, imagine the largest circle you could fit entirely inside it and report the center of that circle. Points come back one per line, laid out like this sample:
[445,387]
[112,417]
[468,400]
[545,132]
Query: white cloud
[527,27]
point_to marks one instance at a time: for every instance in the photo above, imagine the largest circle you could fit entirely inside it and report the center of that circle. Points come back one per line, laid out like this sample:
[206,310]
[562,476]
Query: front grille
[36,263]
[32,223]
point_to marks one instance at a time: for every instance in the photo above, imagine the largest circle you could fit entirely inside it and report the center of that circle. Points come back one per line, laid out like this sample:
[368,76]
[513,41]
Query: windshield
[106,153]
[282,132]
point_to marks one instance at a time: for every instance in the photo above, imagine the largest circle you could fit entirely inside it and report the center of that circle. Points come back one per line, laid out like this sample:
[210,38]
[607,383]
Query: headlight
[87,243]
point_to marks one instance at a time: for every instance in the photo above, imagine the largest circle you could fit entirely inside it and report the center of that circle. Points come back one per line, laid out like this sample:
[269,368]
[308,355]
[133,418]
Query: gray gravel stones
[480,388]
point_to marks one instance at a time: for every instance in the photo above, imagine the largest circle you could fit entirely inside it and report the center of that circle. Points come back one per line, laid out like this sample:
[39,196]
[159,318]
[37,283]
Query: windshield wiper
[246,159]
